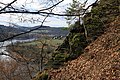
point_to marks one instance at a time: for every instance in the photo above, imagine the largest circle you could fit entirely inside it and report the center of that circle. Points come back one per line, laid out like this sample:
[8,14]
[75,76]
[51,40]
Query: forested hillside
[97,56]
[9,31]
[96,21]
[100,60]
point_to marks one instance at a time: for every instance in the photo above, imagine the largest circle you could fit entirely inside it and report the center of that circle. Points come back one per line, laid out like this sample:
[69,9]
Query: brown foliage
[100,61]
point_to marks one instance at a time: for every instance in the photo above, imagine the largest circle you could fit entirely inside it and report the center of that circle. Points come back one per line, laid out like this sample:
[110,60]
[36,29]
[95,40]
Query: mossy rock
[58,60]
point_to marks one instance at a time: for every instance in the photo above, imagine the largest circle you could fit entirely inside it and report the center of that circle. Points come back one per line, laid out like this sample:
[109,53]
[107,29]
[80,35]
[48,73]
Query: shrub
[58,60]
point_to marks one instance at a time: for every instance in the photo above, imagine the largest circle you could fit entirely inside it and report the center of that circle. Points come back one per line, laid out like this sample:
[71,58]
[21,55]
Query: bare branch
[51,6]
[40,12]
[56,14]
[2,53]
[90,6]
[8,5]
[27,12]
[27,31]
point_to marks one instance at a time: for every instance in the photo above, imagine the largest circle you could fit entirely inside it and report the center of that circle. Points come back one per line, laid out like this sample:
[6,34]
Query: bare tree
[32,57]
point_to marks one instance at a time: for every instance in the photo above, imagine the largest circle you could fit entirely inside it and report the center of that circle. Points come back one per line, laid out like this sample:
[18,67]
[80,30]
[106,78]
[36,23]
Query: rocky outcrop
[100,61]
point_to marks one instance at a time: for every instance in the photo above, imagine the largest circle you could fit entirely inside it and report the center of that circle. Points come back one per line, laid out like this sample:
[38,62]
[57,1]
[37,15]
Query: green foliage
[73,46]
[75,8]
[41,76]
[58,60]
[65,28]
[78,43]
[102,13]
[106,9]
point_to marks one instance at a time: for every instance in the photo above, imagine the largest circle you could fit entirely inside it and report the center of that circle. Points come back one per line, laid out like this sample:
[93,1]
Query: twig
[8,5]
[51,6]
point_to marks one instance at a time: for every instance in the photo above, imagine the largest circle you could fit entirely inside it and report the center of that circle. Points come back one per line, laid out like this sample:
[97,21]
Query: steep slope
[100,61]
[102,13]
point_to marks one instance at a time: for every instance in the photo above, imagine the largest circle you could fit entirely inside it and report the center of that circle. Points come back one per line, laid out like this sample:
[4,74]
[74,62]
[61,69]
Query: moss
[41,76]
[115,60]
[59,59]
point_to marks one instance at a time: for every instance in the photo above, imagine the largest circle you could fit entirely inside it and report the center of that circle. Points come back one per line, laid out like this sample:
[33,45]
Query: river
[5,43]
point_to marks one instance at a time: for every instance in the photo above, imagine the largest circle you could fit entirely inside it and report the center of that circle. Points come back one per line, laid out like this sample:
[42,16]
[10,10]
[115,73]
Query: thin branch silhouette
[40,12]
[8,5]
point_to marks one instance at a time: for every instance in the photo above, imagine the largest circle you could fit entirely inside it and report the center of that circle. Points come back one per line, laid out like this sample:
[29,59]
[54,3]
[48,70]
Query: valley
[43,31]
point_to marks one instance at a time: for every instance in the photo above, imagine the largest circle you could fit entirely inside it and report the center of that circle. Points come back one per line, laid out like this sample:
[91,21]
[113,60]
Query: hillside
[92,57]
[7,31]
[100,61]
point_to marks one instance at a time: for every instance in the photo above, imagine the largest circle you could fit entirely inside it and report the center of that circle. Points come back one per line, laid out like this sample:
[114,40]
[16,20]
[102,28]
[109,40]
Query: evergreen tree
[76,8]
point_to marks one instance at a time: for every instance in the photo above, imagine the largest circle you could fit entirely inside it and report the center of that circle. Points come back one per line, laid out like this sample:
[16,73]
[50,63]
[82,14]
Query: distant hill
[53,31]
[7,31]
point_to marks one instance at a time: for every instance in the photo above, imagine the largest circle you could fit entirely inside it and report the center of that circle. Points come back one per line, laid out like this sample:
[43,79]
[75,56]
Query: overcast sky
[34,5]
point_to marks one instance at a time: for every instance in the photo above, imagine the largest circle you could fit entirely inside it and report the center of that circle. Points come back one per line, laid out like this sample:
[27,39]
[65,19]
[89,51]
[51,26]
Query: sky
[33,5]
